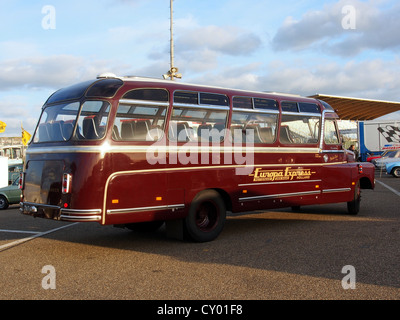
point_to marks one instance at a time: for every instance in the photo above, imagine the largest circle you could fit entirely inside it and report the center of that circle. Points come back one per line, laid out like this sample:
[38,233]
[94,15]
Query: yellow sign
[26,136]
[286,174]
[2,127]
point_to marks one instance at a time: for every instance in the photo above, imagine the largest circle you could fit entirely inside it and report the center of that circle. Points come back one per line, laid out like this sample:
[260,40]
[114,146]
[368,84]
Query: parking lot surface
[274,254]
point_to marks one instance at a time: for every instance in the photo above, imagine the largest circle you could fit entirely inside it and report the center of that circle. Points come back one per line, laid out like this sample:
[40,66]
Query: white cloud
[52,72]
[375,79]
[226,40]
[322,30]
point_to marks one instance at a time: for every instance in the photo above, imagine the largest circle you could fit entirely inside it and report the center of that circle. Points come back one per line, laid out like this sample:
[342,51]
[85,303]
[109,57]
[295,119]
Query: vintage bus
[138,152]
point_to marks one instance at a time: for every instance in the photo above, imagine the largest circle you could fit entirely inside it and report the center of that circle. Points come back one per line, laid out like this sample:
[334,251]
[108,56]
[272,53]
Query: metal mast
[173,71]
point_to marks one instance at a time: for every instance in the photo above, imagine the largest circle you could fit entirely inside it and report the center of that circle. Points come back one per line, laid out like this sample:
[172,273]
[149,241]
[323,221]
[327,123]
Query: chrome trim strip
[155,208]
[80,218]
[263,111]
[173,147]
[81,211]
[201,106]
[80,215]
[336,190]
[144,102]
[281,195]
[281,182]
[332,151]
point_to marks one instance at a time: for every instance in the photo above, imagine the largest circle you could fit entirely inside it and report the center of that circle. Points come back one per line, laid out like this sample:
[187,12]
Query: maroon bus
[138,152]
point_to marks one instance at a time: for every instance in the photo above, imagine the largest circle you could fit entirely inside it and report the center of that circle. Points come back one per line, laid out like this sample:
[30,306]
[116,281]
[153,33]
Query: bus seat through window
[115,133]
[67,129]
[89,129]
[284,135]
[203,132]
[266,135]
[255,128]
[141,130]
[127,128]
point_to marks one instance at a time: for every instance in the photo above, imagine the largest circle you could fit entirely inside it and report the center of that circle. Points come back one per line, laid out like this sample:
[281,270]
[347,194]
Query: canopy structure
[359,109]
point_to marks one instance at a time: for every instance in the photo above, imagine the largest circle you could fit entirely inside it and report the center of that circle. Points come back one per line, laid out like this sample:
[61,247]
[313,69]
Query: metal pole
[173,71]
[172,34]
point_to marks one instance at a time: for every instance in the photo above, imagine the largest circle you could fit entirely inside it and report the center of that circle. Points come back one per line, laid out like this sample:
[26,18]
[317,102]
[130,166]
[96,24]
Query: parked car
[393,168]
[384,153]
[10,194]
[391,156]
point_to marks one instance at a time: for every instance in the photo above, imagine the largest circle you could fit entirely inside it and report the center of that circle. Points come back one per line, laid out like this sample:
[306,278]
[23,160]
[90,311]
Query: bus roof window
[104,88]
[214,99]
[160,95]
[326,105]
[186,97]
[243,102]
[73,92]
[289,106]
[265,104]
[309,107]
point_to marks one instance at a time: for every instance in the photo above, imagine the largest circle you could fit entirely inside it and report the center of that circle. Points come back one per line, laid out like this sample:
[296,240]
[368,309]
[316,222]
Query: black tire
[396,172]
[151,226]
[353,207]
[206,218]
[3,203]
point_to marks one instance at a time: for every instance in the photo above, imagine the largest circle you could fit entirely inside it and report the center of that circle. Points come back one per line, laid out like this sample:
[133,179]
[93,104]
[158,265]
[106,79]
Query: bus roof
[106,85]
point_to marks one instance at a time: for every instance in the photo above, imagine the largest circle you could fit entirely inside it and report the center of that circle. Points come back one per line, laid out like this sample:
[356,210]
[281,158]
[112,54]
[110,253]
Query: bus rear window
[57,123]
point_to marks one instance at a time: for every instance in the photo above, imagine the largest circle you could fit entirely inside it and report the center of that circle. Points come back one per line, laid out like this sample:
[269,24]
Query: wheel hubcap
[206,216]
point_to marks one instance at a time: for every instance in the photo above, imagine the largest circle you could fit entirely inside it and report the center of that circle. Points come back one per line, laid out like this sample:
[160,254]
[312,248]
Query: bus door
[336,180]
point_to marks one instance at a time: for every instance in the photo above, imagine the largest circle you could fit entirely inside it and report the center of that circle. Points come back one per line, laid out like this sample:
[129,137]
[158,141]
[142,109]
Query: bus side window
[137,122]
[330,133]
[198,124]
[259,125]
[299,129]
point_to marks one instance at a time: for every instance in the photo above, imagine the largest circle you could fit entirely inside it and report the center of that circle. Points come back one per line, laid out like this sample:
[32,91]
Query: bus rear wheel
[353,207]
[206,218]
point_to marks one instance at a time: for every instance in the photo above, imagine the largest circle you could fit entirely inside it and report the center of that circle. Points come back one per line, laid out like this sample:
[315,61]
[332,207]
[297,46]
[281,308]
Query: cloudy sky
[339,47]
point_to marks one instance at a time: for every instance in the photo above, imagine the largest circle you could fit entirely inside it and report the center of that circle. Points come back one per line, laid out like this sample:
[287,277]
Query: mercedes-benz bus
[140,152]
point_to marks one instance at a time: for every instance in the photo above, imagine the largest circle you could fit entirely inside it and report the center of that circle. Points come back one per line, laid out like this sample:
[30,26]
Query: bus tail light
[360,168]
[66,183]
[21,180]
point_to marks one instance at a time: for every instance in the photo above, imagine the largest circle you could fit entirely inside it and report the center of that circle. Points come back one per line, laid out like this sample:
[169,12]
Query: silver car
[391,156]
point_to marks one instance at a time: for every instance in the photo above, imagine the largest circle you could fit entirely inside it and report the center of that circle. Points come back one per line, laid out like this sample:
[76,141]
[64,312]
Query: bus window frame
[199,98]
[271,112]
[199,107]
[74,134]
[148,103]
[301,114]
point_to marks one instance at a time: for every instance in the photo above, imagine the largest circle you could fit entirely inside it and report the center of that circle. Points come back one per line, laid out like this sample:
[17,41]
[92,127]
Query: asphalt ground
[265,255]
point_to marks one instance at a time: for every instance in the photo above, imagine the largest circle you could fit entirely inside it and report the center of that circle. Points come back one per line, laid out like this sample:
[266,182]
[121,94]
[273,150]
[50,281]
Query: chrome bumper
[58,213]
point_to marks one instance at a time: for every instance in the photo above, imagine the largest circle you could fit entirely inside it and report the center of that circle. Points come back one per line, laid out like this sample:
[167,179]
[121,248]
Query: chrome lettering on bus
[284,174]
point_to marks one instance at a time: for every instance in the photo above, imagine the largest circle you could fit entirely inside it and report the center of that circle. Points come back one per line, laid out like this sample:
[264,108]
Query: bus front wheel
[206,218]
